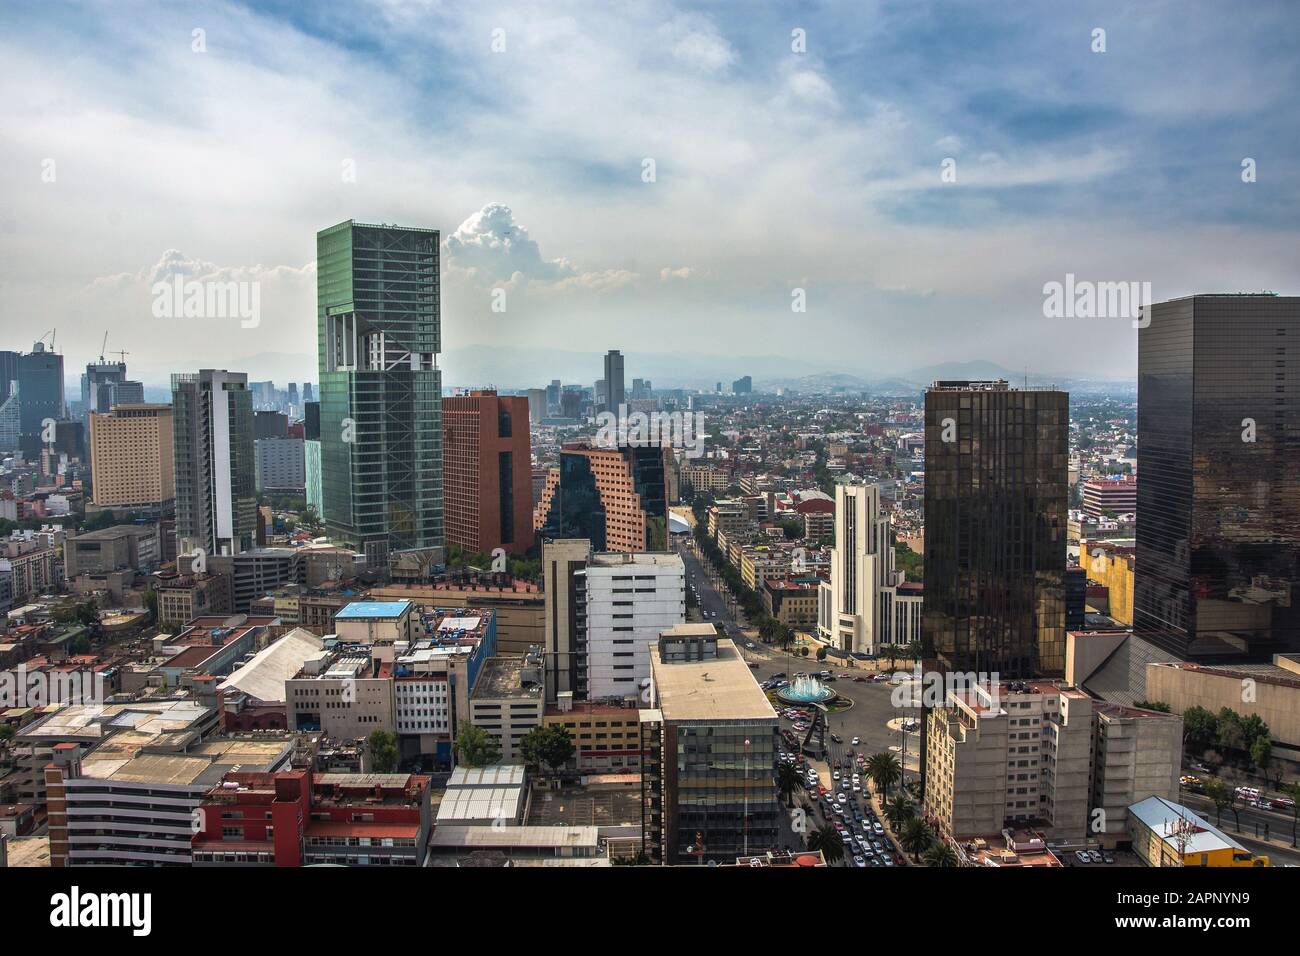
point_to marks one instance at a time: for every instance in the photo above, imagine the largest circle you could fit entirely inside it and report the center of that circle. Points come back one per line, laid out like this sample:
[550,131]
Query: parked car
[1082,857]
[856,741]
[1095,856]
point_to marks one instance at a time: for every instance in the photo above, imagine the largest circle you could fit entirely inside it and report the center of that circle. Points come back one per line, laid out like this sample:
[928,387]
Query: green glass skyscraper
[379,332]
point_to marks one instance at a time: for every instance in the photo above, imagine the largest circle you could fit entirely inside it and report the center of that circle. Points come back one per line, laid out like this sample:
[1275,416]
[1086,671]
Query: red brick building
[487,472]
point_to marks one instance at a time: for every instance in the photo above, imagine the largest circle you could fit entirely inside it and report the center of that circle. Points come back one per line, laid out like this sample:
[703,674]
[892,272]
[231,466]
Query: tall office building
[563,560]
[40,396]
[488,477]
[131,457]
[996,462]
[212,429]
[1217,568]
[856,606]
[708,743]
[614,497]
[615,394]
[553,398]
[311,451]
[378,314]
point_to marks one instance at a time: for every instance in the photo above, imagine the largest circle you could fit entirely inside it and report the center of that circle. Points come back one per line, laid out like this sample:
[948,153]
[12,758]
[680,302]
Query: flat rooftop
[502,678]
[722,688]
[125,758]
[617,559]
[373,610]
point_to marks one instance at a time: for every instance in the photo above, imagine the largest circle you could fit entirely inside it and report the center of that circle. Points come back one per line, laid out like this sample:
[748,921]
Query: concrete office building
[379,327]
[132,457]
[508,703]
[216,498]
[134,547]
[281,464]
[487,472]
[709,741]
[565,615]
[631,599]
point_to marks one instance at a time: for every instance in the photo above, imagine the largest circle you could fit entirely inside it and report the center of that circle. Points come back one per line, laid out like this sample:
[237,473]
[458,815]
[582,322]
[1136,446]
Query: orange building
[487,472]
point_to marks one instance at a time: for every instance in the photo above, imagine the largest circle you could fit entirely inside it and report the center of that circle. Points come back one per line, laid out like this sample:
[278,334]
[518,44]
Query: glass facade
[995,528]
[721,788]
[378,319]
[1218,514]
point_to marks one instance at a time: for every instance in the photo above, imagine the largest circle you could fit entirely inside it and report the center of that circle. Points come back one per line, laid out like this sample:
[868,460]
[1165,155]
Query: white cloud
[491,245]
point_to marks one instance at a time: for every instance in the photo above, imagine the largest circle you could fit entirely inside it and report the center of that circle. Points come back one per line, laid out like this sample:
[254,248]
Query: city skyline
[1067,162]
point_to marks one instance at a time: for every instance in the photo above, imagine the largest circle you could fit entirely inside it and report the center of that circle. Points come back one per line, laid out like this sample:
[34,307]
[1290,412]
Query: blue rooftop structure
[373,610]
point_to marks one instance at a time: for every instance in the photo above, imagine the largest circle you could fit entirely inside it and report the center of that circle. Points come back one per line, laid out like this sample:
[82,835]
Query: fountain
[805,690]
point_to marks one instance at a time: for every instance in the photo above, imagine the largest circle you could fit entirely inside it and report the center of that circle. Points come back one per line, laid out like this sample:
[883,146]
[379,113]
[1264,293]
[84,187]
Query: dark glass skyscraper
[378,320]
[995,528]
[614,381]
[40,396]
[1217,565]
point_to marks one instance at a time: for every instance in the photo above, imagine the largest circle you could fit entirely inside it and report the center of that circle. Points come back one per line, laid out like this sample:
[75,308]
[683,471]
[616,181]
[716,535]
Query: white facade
[630,599]
[422,705]
[859,615]
[281,463]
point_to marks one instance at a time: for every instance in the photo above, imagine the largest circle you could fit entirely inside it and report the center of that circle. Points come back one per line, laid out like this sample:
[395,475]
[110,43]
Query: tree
[885,771]
[383,751]
[1157,705]
[1261,751]
[821,653]
[1200,728]
[898,811]
[550,746]
[1221,795]
[788,781]
[916,837]
[475,747]
[941,854]
[827,839]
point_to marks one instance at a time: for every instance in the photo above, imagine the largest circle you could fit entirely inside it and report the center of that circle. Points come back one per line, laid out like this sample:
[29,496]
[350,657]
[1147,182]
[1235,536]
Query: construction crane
[102,347]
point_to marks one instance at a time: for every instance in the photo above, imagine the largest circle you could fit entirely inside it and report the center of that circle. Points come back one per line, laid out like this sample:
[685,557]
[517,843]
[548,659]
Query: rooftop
[722,688]
[373,610]
[502,678]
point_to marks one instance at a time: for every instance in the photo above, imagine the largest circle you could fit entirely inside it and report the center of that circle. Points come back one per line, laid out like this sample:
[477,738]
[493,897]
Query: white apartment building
[855,611]
[630,598]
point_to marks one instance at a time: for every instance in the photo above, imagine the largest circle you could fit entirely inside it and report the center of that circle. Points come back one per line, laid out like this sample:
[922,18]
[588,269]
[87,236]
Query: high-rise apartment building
[996,463]
[855,611]
[132,457]
[603,611]
[615,497]
[1217,564]
[212,432]
[487,464]
[97,387]
[379,328]
[615,394]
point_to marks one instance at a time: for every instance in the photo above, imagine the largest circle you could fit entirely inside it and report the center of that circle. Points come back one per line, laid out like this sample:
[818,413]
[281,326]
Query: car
[1107,858]
[859,861]
[837,738]
[839,826]
[856,741]
[1082,857]
[888,861]
[877,828]
[1095,856]
[835,775]
[857,788]
[846,838]
[840,798]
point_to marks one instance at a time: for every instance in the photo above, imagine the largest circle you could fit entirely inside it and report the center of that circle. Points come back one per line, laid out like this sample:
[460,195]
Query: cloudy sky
[794,147]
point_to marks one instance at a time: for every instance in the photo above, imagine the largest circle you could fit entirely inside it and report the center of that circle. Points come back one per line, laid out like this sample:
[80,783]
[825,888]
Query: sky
[652,176]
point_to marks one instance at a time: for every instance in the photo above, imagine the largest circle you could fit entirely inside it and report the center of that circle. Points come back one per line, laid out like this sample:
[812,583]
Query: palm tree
[941,854]
[916,837]
[885,771]
[898,811]
[827,839]
[788,782]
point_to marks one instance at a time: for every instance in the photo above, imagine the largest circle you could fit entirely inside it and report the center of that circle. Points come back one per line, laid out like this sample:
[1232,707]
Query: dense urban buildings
[995,528]
[487,482]
[212,441]
[379,328]
[1217,569]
